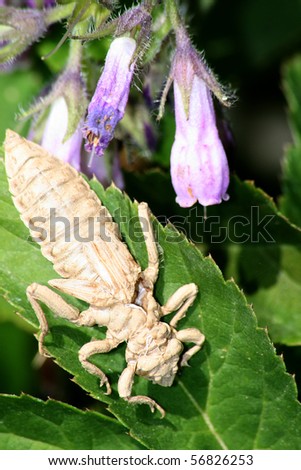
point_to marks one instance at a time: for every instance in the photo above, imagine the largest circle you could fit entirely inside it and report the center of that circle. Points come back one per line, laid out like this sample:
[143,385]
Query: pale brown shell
[51,195]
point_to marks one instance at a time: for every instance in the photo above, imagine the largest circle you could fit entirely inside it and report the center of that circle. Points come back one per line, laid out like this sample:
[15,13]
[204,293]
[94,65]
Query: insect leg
[97,347]
[85,290]
[151,272]
[37,293]
[190,335]
[181,301]
[125,384]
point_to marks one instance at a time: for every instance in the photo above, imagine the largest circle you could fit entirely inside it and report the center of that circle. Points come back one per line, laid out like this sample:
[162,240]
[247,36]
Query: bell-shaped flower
[199,167]
[108,103]
[55,131]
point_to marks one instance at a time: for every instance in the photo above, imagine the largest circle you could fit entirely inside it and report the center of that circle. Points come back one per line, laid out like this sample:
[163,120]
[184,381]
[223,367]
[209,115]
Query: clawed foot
[105,381]
[140,399]
[42,350]
[184,360]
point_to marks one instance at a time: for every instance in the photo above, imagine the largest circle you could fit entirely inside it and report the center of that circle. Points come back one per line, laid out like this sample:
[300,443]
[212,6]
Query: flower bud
[108,104]
[19,28]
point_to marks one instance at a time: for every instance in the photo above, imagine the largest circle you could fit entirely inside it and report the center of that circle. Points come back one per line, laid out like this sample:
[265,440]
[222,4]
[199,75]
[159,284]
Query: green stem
[172,12]
[59,13]
[105,30]
[75,54]
[69,29]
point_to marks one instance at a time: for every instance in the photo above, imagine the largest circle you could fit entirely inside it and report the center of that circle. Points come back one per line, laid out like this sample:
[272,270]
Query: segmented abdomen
[65,216]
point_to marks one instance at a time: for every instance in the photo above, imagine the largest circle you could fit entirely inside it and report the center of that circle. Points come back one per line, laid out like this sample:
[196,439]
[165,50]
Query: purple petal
[199,167]
[108,104]
[99,127]
[55,131]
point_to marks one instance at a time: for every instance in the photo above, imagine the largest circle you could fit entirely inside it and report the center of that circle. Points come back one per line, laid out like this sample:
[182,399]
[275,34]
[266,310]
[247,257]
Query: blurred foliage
[291,198]
[17,90]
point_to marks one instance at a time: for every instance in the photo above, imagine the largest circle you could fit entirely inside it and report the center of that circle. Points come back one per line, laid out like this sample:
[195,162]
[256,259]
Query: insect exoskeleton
[78,235]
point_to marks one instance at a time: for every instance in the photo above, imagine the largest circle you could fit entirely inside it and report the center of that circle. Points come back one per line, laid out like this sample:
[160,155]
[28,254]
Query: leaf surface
[251,239]
[27,423]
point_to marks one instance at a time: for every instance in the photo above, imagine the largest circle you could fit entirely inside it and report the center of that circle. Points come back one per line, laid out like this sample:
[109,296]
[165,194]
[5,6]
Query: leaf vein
[204,415]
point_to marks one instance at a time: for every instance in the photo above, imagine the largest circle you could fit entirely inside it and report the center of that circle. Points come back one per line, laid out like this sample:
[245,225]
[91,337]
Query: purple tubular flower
[55,131]
[108,104]
[199,167]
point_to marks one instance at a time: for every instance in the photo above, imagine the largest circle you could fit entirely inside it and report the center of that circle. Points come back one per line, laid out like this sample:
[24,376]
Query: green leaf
[271,278]
[266,263]
[254,242]
[235,395]
[27,423]
[203,407]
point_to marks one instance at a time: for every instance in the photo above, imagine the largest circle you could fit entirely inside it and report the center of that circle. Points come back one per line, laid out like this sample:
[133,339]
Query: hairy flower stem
[75,54]
[135,19]
[172,13]
[53,15]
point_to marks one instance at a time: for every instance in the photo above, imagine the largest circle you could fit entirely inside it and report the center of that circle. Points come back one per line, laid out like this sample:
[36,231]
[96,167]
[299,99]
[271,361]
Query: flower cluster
[63,119]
